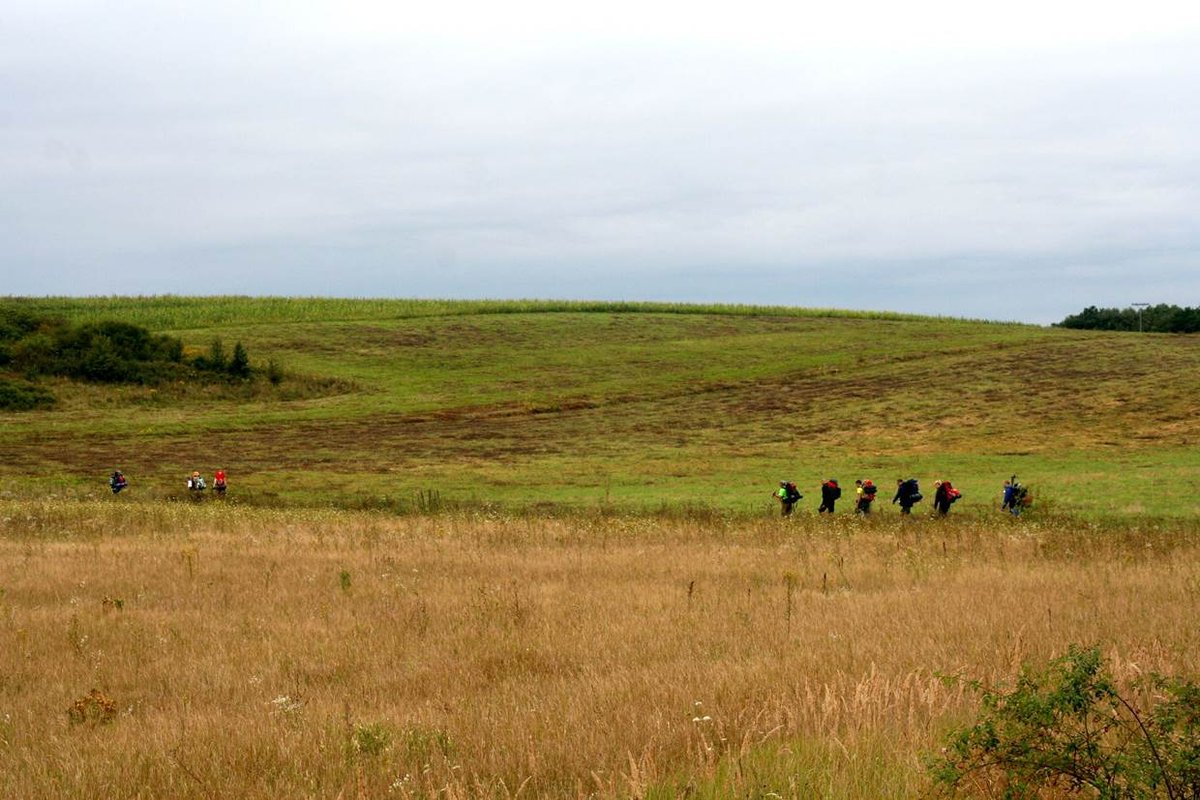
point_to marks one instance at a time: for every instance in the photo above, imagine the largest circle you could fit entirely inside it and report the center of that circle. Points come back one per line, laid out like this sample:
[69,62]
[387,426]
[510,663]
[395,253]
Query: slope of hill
[632,405]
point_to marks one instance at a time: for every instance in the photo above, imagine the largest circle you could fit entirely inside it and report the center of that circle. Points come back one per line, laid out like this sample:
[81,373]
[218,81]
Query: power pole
[1139,307]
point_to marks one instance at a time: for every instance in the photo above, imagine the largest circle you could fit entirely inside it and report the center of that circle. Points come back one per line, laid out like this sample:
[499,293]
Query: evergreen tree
[216,356]
[239,365]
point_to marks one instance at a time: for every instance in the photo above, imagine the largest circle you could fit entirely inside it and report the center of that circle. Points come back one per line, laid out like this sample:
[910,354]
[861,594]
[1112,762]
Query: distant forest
[1161,318]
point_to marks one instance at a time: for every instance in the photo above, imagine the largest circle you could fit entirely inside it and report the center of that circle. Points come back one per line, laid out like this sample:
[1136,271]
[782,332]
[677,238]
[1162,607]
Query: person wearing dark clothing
[117,482]
[793,496]
[830,492]
[908,493]
[944,497]
[1016,497]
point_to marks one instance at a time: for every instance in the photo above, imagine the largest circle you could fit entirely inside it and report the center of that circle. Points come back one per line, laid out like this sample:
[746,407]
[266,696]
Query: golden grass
[262,654]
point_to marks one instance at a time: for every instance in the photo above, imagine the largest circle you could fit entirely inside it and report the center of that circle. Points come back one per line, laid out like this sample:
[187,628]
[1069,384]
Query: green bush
[1068,731]
[106,351]
[23,396]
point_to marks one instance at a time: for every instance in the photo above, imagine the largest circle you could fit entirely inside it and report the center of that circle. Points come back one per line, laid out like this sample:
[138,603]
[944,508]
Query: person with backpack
[219,484]
[908,494]
[788,496]
[1016,496]
[195,484]
[117,481]
[830,492]
[944,497]
[866,496]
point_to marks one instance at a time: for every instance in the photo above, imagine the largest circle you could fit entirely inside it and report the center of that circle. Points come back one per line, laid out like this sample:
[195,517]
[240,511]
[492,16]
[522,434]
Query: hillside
[633,405]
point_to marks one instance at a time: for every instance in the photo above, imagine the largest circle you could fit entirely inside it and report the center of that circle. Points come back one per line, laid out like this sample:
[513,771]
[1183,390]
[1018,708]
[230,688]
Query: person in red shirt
[219,484]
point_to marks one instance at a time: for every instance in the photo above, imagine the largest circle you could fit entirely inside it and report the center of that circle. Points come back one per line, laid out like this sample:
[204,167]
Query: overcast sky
[1018,162]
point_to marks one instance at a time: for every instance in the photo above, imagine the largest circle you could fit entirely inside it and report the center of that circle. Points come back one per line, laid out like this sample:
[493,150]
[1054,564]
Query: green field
[634,407]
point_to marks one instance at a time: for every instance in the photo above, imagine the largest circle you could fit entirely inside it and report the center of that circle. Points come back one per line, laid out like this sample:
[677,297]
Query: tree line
[34,346]
[1161,318]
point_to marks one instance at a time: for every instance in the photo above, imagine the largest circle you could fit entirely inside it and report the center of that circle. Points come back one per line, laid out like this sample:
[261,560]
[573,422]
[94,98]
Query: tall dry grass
[250,653]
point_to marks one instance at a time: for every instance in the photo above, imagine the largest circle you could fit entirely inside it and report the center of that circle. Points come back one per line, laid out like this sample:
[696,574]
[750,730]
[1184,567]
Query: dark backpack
[870,490]
[793,494]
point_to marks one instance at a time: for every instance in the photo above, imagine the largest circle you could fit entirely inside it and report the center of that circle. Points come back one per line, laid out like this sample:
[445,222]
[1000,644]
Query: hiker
[830,492]
[219,484]
[1016,496]
[944,497]
[908,494]
[788,495]
[866,496]
[195,483]
[117,481]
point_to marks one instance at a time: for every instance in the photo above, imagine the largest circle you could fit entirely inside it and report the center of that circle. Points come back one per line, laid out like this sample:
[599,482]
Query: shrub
[23,396]
[1068,730]
[370,740]
[106,352]
[274,373]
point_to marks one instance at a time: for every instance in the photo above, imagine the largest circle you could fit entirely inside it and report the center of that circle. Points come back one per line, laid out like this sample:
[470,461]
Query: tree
[216,356]
[239,365]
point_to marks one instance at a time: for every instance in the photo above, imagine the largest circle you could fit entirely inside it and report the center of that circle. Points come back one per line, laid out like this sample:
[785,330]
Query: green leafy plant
[371,740]
[1069,730]
[18,395]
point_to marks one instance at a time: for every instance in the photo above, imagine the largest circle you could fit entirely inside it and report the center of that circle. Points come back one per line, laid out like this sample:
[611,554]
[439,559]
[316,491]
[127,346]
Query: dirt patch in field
[1065,393]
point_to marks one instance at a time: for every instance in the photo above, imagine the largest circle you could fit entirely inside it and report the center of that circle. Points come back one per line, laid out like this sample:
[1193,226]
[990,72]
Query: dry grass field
[170,650]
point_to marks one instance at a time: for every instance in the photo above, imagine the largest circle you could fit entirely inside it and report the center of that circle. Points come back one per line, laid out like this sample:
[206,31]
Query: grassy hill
[637,406]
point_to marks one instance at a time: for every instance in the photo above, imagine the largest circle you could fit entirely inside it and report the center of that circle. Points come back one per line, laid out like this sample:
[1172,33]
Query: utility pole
[1139,307]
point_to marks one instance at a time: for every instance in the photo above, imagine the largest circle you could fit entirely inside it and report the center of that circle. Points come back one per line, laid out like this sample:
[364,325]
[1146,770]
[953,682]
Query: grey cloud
[689,174]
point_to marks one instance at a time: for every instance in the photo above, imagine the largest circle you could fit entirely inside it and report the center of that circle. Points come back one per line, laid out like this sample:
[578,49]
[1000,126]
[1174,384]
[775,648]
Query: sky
[1015,162]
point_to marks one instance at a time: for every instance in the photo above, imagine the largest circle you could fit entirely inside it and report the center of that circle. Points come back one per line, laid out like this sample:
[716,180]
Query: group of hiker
[196,484]
[908,494]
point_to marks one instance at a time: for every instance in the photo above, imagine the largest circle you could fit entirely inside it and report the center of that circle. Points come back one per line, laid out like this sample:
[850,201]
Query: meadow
[522,549]
[635,407]
[205,650]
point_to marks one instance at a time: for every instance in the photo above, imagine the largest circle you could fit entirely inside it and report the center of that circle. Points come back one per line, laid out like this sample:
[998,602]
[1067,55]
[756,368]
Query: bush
[1067,730]
[106,352]
[22,396]
[274,373]
[33,346]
